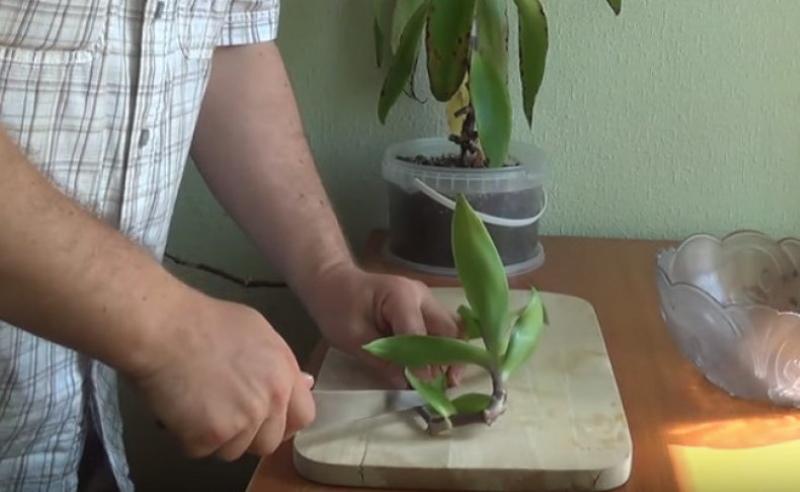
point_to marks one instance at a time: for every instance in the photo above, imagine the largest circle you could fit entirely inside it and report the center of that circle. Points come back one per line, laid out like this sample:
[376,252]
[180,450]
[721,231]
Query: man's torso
[102,96]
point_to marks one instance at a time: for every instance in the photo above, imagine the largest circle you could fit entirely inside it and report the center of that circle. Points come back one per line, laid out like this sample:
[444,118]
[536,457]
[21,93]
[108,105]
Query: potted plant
[466,45]
[505,340]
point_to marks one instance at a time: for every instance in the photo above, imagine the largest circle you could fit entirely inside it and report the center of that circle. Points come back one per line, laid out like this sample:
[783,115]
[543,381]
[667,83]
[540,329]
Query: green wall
[680,116]
[677,117]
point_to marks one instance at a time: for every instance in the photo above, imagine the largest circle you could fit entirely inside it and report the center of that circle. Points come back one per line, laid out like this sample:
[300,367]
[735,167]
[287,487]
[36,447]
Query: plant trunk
[471,154]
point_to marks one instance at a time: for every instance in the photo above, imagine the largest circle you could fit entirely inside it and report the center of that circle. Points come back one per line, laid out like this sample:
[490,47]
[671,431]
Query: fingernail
[309,379]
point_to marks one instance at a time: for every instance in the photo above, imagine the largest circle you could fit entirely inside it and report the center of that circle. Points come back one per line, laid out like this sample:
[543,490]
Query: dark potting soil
[420,227]
[451,160]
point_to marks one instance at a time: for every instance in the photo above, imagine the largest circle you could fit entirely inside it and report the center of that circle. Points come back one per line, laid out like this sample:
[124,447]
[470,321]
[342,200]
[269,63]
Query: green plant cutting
[498,340]
[466,43]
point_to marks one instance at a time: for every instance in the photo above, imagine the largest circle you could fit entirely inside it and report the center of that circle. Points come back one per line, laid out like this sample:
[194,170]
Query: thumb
[403,315]
[301,409]
[438,320]
[308,380]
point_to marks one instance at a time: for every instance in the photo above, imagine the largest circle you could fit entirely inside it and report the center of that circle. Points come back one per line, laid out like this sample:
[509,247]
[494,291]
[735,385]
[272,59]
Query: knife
[341,406]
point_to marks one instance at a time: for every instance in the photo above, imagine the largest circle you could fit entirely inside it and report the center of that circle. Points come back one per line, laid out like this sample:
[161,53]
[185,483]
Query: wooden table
[667,401]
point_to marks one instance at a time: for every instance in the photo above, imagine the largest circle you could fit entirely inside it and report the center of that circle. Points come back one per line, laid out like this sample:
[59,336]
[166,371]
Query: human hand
[223,381]
[353,307]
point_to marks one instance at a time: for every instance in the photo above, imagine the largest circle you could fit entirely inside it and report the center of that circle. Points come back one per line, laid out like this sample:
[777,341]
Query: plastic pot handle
[486,218]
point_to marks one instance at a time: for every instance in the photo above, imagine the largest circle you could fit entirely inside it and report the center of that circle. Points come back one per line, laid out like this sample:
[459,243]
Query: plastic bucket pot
[509,200]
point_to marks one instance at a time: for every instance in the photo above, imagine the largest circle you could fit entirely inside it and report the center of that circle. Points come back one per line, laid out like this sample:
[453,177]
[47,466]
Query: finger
[204,441]
[438,320]
[269,435]
[236,447]
[301,410]
[270,432]
[403,314]
[198,447]
[441,322]
[455,375]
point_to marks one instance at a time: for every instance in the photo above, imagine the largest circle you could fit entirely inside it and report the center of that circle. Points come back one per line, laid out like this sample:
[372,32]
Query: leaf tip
[461,201]
[371,346]
[382,113]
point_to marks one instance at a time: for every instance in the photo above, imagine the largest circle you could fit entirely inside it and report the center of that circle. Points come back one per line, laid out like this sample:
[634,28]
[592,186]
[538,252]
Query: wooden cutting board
[565,427]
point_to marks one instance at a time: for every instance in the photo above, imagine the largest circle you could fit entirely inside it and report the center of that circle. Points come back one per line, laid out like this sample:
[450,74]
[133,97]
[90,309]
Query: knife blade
[341,406]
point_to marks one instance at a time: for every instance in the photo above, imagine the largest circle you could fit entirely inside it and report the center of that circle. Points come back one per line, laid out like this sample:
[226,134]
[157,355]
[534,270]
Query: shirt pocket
[51,32]
[200,25]
[50,88]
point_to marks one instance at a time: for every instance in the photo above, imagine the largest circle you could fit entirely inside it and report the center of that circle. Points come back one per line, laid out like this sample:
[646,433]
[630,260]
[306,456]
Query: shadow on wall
[337,83]
[156,461]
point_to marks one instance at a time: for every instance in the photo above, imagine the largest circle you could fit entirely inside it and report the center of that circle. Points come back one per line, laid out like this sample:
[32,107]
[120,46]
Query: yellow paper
[774,468]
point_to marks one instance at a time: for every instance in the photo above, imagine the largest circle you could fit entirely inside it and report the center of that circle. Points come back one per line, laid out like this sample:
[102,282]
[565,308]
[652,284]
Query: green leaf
[433,393]
[482,274]
[470,322]
[492,105]
[448,44]
[379,48]
[524,335]
[472,403]
[378,30]
[403,11]
[402,67]
[616,6]
[492,21]
[424,350]
[532,51]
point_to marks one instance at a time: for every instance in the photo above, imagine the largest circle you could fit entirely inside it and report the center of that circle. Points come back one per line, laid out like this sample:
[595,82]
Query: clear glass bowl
[731,305]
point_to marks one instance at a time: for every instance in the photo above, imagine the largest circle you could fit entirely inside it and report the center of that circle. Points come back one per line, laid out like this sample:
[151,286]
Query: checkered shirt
[102,96]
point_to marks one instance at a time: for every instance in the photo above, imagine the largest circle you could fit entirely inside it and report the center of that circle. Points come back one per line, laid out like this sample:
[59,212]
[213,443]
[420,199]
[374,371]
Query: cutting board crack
[363,460]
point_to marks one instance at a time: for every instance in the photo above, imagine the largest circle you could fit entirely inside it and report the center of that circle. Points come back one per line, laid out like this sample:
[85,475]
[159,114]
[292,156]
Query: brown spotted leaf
[448,45]
[402,67]
[532,51]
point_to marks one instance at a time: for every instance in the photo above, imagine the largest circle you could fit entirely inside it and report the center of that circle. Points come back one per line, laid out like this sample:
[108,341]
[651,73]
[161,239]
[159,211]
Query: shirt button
[144,137]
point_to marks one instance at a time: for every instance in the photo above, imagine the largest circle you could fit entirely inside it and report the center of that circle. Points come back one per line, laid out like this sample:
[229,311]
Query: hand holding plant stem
[508,339]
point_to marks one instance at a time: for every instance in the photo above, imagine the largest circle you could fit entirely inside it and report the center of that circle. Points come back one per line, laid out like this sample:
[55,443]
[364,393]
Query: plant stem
[471,155]
[439,425]
[499,398]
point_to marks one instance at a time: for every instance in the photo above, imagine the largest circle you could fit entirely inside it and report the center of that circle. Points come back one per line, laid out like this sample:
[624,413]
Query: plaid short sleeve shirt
[102,96]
